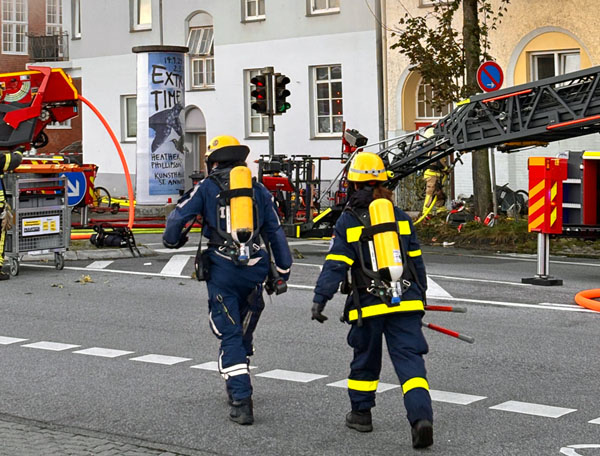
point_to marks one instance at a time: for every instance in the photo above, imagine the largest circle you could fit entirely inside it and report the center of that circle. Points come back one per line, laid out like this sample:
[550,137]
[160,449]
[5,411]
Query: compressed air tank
[387,243]
[242,219]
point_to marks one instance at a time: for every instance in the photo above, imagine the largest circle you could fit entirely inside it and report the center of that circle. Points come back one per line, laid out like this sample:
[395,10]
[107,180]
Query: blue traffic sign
[490,76]
[76,187]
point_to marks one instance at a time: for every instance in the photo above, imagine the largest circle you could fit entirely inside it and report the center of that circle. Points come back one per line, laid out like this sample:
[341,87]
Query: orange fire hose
[587,299]
[121,155]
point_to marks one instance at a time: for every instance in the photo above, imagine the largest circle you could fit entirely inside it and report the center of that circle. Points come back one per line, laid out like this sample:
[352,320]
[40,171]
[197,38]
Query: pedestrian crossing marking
[160,359]
[175,265]
[100,264]
[211,366]
[454,398]
[52,346]
[533,409]
[292,376]
[103,352]
[436,291]
[596,421]
[181,249]
[381,387]
[10,340]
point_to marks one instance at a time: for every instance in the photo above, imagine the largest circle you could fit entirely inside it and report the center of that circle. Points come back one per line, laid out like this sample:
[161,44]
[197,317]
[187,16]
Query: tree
[449,61]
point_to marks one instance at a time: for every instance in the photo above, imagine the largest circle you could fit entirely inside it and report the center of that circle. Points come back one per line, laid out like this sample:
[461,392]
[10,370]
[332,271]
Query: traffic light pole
[271,135]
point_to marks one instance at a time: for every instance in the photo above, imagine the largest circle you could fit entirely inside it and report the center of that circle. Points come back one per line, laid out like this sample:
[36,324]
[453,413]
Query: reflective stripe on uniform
[362,385]
[342,258]
[383,309]
[415,382]
[404,227]
[414,253]
[353,234]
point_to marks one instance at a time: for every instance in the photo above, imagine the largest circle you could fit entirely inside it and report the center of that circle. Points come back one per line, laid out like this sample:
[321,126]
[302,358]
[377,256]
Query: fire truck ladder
[538,112]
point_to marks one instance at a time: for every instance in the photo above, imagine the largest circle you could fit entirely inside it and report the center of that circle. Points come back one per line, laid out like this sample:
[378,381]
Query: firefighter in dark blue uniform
[9,161]
[235,277]
[369,314]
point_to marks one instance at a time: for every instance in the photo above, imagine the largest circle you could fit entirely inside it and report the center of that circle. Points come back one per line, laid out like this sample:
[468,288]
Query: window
[53,17]
[76,18]
[129,117]
[430,2]
[258,124]
[425,109]
[141,15]
[14,26]
[553,63]
[254,10]
[328,107]
[202,62]
[324,6]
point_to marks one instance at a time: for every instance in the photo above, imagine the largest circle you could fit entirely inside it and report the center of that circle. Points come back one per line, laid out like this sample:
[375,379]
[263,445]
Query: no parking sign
[490,76]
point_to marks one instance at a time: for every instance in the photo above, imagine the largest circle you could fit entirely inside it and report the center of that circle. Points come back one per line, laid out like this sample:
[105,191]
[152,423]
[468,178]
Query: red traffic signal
[259,94]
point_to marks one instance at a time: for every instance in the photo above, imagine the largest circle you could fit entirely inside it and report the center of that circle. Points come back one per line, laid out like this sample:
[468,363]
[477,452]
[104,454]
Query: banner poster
[165,121]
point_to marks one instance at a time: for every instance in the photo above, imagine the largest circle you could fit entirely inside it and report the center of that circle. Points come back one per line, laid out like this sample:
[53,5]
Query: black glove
[179,244]
[316,312]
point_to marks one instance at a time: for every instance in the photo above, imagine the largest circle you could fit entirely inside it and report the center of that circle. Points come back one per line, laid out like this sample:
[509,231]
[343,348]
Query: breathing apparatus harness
[364,278]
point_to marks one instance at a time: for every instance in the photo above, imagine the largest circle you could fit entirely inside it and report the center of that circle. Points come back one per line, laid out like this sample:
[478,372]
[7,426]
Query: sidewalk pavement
[20,437]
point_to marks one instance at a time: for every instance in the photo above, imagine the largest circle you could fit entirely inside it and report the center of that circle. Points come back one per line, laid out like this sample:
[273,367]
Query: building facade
[326,47]
[536,39]
[32,33]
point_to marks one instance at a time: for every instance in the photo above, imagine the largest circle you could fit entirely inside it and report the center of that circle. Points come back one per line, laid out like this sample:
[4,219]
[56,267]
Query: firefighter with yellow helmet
[376,242]
[238,217]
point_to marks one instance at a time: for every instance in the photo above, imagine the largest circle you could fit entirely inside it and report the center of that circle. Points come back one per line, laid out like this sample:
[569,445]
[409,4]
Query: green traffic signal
[281,93]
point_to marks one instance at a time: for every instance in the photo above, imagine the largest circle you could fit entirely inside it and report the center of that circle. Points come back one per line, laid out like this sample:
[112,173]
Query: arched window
[201,51]
[425,109]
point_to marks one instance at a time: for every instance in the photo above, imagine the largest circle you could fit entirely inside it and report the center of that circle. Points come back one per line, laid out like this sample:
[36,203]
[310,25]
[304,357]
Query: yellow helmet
[366,166]
[226,148]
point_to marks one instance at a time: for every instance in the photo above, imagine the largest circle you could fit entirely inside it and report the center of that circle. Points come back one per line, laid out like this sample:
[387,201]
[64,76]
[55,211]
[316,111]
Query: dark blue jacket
[202,200]
[344,254]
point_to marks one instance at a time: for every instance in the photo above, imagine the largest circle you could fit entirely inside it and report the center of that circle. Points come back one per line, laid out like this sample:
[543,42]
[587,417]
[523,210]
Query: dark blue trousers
[406,346]
[233,316]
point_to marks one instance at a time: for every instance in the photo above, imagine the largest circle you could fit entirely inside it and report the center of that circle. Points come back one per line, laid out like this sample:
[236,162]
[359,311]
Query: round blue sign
[76,187]
[490,76]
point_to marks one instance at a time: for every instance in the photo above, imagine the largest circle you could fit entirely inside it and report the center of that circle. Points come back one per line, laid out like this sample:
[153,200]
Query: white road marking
[531,258]
[320,266]
[533,409]
[10,340]
[160,359]
[381,387]
[311,287]
[103,352]
[570,450]
[291,376]
[454,398]
[147,264]
[53,346]
[595,421]
[175,265]
[469,279]
[182,249]
[434,290]
[211,366]
[99,264]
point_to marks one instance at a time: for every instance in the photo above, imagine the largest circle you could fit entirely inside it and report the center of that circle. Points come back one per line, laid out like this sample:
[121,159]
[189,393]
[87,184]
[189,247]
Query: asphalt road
[527,386]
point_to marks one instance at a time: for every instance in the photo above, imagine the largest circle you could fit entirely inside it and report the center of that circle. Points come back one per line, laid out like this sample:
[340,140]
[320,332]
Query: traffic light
[281,93]
[260,93]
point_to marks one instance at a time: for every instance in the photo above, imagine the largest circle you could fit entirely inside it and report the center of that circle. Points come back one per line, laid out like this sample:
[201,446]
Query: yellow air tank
[242,220]
[386,244]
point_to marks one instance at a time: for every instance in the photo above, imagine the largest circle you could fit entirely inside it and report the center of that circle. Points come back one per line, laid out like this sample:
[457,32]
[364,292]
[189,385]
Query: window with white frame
[324,6]
[553,63]
[129,117]
[258,124]
[328,110]
[141,14]
[76,18]
[202,61]
[425,109]
[254,10]
[14,26]
[431,2]
[53,17]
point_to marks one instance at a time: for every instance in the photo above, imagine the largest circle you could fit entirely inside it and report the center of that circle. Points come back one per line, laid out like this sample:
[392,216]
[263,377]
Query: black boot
[359,420]
[422,434]
[229,396]
[4,276]
[241,411]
